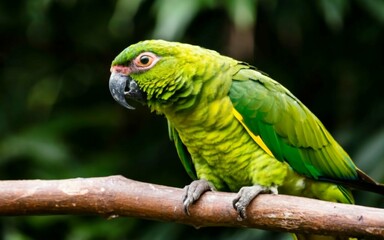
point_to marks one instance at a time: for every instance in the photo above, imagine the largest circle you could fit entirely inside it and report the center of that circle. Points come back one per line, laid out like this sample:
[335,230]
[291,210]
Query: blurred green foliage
[58,120]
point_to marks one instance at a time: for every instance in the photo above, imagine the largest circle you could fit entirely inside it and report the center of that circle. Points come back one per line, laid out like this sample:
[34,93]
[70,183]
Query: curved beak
[121,86]
[117,85]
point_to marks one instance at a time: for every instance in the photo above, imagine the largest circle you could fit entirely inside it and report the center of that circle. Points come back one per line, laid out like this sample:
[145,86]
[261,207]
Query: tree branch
[116,196]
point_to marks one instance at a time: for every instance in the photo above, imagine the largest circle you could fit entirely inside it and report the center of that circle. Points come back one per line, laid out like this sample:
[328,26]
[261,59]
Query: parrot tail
[364,182]
[367,183]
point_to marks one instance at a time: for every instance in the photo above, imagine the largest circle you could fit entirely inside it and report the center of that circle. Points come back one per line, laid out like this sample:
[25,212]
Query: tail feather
[364,182]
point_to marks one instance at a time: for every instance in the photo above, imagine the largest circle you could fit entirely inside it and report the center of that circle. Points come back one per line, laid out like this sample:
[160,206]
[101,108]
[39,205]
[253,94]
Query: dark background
[58,120]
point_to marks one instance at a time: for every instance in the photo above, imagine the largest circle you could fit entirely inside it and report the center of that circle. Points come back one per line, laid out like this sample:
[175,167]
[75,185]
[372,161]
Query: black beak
[122,85]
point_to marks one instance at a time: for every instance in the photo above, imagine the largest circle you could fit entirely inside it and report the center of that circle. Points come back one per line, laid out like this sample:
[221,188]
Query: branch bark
[116,196]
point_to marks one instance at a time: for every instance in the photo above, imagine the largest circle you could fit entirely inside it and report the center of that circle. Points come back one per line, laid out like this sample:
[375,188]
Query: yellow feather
[257,138]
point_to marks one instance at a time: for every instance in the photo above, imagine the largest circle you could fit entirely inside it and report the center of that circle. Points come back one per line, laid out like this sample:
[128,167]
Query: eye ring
[145,60]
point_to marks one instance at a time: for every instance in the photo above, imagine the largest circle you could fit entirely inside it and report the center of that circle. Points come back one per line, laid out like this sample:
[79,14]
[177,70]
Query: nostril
[121,69]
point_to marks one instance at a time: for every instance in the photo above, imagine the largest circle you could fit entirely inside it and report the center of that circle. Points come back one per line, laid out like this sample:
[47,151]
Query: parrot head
[159,73]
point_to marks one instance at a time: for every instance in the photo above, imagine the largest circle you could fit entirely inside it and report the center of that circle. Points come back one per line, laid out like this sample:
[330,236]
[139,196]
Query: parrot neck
[198,89]
[206,106]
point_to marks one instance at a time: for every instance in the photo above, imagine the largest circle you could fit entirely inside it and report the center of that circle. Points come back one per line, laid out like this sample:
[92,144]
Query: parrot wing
[182,151]
[289,130]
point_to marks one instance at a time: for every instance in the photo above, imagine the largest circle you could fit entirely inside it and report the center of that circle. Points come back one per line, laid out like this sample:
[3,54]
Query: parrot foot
[246,195]
[193,191]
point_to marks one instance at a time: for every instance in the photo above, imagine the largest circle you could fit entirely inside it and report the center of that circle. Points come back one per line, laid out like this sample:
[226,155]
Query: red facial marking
[121,69]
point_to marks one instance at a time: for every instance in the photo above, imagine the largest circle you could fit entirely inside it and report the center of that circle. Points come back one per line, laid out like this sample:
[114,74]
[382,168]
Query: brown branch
[117,196]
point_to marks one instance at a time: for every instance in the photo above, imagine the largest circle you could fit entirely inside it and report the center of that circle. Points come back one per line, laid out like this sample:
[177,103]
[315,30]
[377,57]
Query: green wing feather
[182,151]
[288,128]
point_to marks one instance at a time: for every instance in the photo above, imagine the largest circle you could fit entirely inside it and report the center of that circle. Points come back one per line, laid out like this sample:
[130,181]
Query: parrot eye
[145,60]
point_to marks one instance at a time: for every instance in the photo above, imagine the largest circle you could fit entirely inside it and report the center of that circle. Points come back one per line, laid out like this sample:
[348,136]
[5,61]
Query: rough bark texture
[116,196]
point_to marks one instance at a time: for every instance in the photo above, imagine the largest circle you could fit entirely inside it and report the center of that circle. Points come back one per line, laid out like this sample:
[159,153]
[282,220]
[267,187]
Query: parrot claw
[246,195]
[193,191]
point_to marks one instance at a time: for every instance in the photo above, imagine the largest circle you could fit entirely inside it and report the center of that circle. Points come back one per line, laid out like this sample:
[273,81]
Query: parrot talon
[193,191]
[246,195]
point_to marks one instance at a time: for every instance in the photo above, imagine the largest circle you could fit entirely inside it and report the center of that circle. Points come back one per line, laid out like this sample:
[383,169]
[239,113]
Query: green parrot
[235,128]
